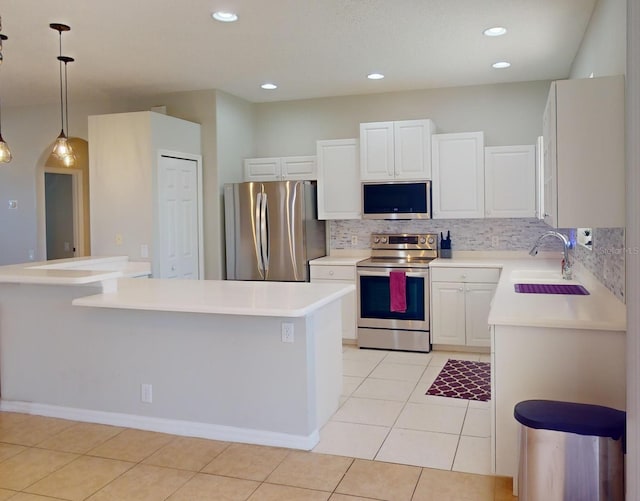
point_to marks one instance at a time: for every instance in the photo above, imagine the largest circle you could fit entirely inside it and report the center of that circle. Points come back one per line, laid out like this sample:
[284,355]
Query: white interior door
[178,218]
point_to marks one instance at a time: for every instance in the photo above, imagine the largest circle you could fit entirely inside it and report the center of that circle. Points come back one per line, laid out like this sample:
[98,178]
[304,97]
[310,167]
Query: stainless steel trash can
[570,452]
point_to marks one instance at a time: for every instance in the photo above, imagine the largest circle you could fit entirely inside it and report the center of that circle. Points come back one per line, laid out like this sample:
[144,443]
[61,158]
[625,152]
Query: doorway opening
[63,205]
[59,224]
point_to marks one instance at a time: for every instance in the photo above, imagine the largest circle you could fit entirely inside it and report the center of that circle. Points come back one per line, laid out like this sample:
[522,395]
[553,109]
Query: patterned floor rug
[463,379]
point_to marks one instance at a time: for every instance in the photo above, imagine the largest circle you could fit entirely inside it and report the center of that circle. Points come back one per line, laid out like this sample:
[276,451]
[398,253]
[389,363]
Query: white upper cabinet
[338,179]
[376,151]
[458,175]
[510,181]
[412,148]
[396,150]
[299,168]
[261,169]
[280,168]
[584,153]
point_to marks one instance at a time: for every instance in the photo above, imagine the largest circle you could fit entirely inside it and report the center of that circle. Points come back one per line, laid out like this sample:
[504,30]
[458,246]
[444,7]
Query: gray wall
[30,132]
[199,107]
[235,133]
[508,113]
[603,48]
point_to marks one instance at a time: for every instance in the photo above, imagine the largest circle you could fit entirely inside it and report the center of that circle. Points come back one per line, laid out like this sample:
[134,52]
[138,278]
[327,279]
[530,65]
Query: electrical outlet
[354,239]
[118,239]
[144,250]
[146,393]
[32,254]
[495,241]
[287,332]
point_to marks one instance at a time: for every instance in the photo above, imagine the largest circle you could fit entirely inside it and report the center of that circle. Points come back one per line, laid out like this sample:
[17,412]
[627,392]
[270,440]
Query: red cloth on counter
[398,291]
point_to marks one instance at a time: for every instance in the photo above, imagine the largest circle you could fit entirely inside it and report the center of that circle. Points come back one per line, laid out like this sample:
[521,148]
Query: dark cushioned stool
[570,452]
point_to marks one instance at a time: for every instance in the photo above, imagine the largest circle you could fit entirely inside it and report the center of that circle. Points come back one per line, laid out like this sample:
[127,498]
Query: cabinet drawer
[485,275]
[333,273]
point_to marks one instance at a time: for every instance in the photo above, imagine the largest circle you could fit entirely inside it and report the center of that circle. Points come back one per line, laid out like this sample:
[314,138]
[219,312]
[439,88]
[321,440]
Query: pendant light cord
[61,102]
[1,60]
[66,100]
[0,112]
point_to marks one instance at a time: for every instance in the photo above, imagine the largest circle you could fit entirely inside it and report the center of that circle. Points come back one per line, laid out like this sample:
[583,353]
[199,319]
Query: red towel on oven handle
[398,291]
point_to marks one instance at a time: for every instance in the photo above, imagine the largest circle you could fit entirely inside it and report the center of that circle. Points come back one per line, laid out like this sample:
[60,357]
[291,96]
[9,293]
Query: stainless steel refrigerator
[272,230]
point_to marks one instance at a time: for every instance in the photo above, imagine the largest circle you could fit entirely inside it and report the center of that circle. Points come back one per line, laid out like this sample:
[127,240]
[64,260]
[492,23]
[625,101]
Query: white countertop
[337,260]
[600,310]
[73,271]
[225,297]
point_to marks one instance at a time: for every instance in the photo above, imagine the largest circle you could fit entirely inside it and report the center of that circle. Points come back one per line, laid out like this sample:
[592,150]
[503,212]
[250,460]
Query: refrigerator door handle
[257,237]
[264,237]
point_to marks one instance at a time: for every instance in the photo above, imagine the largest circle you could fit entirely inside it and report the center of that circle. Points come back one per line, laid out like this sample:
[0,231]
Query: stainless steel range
[380,325]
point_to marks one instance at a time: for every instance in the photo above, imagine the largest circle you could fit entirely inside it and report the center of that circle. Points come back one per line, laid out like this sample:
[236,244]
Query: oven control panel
[404,241]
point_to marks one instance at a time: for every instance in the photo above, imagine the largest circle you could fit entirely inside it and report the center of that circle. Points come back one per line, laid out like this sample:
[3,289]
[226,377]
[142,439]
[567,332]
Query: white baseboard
[171,426]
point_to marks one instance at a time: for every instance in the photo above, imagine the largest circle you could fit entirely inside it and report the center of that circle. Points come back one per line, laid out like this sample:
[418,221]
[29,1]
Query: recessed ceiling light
[269,86]
[375,76]
[225,17]
[501,65]
[496,31]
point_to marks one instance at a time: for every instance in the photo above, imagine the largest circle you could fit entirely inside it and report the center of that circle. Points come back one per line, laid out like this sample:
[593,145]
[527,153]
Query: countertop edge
[505,299]
[117,300]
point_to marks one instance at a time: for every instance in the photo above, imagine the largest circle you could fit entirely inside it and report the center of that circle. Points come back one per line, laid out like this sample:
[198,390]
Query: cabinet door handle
[331,272]
[461,289]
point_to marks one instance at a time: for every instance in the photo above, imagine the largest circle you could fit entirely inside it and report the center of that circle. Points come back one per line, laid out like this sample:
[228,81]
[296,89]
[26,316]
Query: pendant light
[5,152]
[62,148]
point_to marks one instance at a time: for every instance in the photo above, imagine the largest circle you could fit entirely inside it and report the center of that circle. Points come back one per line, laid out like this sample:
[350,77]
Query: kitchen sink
[563,289]
[545,282]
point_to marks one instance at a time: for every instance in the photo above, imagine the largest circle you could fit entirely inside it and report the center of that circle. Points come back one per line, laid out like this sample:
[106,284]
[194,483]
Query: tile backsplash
[607,258]
[605,261]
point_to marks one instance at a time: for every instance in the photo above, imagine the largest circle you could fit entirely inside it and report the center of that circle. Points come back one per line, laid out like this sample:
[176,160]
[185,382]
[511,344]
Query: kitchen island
[239,361]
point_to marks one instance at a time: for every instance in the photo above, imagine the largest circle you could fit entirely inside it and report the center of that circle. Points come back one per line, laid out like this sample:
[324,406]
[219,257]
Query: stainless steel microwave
[396,200]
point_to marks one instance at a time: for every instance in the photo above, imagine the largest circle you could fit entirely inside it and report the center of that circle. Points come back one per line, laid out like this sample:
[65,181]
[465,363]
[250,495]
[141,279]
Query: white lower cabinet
[460,302]
[340,274]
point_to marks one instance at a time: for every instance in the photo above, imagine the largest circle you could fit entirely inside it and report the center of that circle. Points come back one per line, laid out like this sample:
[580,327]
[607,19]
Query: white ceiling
[310,48]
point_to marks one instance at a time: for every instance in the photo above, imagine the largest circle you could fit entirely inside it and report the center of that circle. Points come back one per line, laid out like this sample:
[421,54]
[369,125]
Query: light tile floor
[45,459]
[52,459]
[386,416]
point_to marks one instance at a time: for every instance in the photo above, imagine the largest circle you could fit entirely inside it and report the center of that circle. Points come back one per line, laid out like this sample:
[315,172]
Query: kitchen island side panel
[225,370]
[572,365]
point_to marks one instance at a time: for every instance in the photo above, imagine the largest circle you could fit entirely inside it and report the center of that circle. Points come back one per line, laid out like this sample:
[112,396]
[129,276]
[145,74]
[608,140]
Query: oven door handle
[418,274]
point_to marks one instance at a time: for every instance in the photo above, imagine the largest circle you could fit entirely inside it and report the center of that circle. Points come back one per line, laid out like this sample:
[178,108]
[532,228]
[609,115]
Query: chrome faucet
[566,265]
